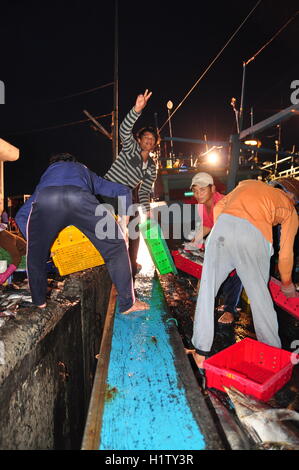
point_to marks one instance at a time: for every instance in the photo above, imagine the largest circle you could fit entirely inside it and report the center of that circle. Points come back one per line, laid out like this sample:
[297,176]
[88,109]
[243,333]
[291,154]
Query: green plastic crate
[157,247]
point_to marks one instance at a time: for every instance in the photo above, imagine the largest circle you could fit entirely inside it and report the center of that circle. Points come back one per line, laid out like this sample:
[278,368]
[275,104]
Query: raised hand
[142,100]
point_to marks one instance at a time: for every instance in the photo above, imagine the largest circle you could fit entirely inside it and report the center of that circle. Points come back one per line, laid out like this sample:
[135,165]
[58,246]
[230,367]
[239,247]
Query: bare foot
[227,318]
[137,306]
[42,306]
[220,308]
[199,360]
[189,351]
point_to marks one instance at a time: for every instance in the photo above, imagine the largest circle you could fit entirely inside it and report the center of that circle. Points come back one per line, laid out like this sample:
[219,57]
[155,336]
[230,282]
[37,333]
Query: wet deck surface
[145,408]
[152,399]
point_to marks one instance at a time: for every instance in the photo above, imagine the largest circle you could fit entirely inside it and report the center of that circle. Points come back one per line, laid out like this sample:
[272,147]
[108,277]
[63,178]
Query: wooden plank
[92,433]
[148,405]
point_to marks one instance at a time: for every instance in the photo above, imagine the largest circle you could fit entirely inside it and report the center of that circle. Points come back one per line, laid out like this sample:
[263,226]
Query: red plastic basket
[187,265]
[250,366]
[291,305]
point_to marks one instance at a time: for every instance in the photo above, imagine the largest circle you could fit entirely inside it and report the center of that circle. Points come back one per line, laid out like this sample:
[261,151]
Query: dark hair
[288,184]
[62,157]
[150,129]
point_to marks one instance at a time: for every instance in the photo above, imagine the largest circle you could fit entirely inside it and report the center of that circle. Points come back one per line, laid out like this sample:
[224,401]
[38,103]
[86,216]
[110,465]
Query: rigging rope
[58,126]
[270,40]
[211,64]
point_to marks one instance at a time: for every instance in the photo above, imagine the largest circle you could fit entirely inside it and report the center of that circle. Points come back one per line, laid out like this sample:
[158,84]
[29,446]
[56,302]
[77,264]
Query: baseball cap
[202,179]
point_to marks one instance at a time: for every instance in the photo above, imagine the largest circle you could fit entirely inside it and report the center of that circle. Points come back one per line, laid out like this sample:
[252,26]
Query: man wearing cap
[205,193]
[242,239]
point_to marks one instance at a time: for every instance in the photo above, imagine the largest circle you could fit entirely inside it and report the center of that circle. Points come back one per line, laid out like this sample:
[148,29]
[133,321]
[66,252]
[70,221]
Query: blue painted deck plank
[148,409]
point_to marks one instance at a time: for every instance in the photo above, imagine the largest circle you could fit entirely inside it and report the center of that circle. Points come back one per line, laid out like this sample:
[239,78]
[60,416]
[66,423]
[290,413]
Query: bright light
[142,215]
[213,158]
[253,143]
[144,259]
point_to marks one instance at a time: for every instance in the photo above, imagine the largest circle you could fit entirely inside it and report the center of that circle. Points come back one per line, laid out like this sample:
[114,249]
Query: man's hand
[190,246]
[289,290]
[142,100]
[149,214]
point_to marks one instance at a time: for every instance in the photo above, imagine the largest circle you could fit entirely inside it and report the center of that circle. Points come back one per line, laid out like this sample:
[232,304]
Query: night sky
[50,50]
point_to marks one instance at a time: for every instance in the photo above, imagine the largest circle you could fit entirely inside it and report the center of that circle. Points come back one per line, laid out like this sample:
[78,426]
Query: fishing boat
[148,393]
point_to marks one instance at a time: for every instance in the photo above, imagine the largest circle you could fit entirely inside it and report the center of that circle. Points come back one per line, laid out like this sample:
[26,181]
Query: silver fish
[268,427]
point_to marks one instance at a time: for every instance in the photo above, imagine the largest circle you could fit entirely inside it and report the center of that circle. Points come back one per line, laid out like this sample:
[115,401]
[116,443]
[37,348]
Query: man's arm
[286,252]
[110,189]
[126,128]
[198,239]
[145,189]
[126,131]
[201,233]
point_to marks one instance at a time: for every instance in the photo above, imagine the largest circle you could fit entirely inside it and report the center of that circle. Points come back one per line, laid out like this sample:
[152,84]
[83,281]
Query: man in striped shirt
[134,168]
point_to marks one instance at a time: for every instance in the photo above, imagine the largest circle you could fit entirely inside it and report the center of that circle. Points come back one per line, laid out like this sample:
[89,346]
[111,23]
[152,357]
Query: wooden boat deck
[145,396]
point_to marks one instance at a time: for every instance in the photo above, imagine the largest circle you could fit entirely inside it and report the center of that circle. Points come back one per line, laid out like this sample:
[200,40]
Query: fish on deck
[269,428]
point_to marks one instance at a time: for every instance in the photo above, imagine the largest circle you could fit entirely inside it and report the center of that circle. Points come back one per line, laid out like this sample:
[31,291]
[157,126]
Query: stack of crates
[72,251]
[157,246]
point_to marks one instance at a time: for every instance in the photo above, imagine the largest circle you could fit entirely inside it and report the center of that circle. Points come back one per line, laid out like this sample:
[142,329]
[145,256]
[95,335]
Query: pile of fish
[17,295]
[269,428]
[197,256]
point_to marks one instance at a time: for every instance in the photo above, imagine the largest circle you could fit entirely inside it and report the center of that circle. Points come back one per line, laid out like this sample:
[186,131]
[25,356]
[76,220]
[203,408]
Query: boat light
[213,157]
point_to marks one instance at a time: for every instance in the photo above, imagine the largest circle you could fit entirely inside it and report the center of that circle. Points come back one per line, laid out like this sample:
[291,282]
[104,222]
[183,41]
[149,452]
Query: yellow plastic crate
[72,251]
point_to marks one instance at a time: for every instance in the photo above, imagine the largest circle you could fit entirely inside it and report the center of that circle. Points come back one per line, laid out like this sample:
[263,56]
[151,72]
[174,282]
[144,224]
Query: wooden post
[7,153]
[233,162]
[242,99]
[1,187]
[115,99]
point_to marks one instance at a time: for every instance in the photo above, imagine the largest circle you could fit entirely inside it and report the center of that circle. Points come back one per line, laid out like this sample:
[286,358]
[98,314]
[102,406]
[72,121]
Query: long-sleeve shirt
[73,174]
[128,169]
[265,206]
